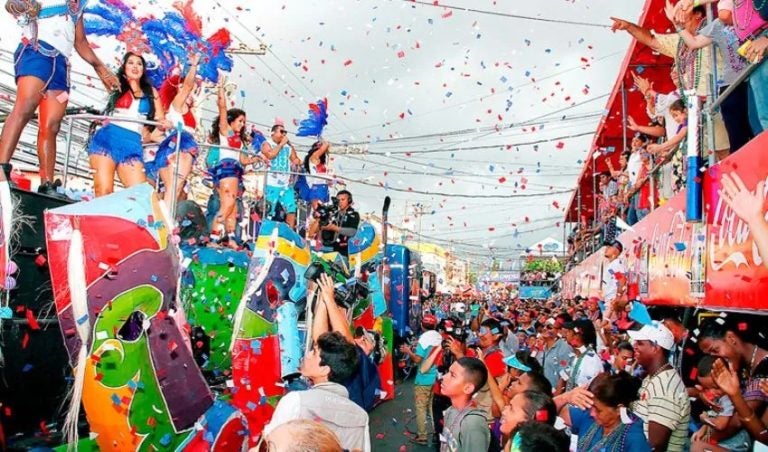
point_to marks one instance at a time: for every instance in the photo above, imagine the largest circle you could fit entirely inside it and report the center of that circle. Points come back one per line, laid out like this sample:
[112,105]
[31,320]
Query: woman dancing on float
[51,29]
[117,146]
[177,102]
[227,172]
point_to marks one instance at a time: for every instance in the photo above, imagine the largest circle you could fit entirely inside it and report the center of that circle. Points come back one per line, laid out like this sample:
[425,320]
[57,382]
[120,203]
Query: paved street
[392,421]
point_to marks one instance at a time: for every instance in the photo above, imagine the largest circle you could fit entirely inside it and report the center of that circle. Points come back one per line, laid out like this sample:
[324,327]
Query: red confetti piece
[33,325]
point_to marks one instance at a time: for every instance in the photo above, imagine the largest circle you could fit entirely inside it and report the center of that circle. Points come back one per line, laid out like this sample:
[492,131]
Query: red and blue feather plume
[170,38]
[317,120]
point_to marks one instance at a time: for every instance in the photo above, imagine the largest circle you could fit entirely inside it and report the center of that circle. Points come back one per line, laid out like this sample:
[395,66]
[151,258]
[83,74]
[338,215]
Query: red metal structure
[610,138]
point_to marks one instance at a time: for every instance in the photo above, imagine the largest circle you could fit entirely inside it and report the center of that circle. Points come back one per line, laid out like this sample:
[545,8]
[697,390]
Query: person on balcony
[117,146]
[721,33]
[51,29]
[694,66]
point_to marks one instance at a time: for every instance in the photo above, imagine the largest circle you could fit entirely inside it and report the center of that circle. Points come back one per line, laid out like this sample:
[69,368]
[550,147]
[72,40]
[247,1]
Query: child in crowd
[714,420]
[465,428]
[675,146]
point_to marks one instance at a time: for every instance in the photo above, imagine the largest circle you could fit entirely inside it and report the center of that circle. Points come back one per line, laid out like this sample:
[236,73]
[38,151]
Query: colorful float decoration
[115,272]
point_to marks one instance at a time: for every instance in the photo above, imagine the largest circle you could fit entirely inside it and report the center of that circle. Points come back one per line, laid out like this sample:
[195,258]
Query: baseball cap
[515,363]
[656,332]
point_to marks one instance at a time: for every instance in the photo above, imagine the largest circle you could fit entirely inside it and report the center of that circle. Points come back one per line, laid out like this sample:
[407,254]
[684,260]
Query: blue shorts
[118,143]
[319,192]
[286,196]
[166,148]
[227,168]
[46,63]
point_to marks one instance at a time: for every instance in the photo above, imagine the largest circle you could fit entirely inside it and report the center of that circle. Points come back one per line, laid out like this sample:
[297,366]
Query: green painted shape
[388,332]
[254,326]
[136,364]
[211,304]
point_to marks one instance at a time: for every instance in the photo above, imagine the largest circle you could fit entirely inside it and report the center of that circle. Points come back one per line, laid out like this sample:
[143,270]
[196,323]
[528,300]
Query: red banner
[737,270]
[664,254]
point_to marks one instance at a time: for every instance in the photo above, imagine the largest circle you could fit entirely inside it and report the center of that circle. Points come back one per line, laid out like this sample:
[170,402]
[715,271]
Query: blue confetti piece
[26,368]
[680,246]
[115,399]
[251,406]
[82,319]
[165,440]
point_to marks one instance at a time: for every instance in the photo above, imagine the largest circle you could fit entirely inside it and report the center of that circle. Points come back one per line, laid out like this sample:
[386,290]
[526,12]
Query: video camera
[347,291]
[324,212]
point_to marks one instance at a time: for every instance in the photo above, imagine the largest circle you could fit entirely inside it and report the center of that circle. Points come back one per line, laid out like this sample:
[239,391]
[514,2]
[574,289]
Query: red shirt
[494,361]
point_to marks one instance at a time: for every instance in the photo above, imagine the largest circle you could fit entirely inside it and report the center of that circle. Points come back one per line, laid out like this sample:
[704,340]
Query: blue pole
[693,197]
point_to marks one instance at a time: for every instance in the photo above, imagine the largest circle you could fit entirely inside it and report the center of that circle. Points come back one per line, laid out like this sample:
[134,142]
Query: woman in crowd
[178,102]
[526,406]
[601,418]
[117,146]
[735,342]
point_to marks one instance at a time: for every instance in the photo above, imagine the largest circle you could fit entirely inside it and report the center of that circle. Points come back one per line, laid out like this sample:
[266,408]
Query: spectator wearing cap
[614,281]
[556,354]
[585,364]
[663,405]
[428,348]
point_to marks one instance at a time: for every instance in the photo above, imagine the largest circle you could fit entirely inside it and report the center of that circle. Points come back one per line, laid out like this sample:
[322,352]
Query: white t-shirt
[57,31]
[610,282]
[634,164]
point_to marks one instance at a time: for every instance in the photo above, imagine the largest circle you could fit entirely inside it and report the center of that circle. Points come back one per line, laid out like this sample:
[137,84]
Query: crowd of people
[487,374]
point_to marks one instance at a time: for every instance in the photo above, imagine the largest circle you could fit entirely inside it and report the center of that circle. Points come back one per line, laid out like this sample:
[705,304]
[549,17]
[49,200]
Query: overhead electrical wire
[507,15]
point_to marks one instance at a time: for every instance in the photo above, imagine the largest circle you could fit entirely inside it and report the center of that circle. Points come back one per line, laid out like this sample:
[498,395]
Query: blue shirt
[428,378]
[581,421]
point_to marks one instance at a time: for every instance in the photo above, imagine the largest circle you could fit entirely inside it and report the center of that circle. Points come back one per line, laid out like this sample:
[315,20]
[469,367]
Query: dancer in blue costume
[178,103]
[51,29]
[117,146]
[229,132]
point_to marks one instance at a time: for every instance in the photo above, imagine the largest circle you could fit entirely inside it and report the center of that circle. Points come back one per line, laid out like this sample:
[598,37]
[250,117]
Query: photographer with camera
[454,347]
[336,223]
[364,385]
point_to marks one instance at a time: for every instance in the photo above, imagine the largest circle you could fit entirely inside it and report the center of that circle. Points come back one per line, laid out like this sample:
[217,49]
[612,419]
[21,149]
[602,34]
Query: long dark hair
[232,114]
[315,147]
[146,87]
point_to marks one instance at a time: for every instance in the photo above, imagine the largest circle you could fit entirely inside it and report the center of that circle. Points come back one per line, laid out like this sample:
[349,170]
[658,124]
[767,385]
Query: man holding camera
[364,384]
[336,231]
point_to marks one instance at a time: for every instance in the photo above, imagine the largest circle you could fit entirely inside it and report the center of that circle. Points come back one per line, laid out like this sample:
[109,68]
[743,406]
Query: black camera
[347,291]
[324,212]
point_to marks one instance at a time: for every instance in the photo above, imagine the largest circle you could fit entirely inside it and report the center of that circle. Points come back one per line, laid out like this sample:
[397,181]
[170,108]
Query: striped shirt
[663,399]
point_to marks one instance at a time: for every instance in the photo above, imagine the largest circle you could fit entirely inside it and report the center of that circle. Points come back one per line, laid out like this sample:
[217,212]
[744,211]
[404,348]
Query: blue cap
[515,363]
